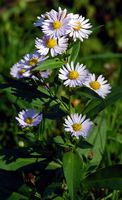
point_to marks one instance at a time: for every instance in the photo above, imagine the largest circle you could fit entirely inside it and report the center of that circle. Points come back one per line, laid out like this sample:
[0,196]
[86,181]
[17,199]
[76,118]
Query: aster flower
[99,85]
[56,24]
[20,71]
[73,75]
[53,45]
[29,118]
[77,125]
[45,74]
[79,27]
[40,20]
[33,59]
[41,75]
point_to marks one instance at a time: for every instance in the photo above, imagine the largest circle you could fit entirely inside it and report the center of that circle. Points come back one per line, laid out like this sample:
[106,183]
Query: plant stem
[70,101]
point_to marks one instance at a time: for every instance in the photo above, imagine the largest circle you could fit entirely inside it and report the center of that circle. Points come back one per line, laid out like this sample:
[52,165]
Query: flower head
[40,75]
[29,118]
[77,125]
[79,27]
[53,45]
[56,24]
[99,85]
[20,71]
[73,75]
[32,59]
[40,20]
[45,74]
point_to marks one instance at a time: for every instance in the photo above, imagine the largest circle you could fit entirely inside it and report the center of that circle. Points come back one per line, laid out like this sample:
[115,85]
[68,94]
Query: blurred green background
[102,53]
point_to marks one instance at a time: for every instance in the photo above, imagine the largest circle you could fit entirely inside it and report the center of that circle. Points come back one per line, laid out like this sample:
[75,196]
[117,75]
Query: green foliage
[50,64]
[95,107]
[72,166]
[62,167]
[74,51]
[110,177]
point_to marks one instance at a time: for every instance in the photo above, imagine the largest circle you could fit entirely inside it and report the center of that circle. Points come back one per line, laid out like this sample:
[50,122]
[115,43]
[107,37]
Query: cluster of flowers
[59,28]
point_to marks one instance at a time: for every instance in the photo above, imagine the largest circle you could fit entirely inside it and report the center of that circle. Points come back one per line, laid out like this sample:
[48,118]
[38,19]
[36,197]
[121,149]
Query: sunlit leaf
[74,51]
[49,64]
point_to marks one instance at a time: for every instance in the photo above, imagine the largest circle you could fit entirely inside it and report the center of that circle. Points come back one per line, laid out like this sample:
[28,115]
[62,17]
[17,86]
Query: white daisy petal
[56,24]
[99,85]
[33,59]
[73,75]
[29,118]
[79,27]
[53,45]
[77,125]
[20,70]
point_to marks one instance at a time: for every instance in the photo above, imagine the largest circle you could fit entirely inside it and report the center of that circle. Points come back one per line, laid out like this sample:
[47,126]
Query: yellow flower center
[29,120]
[73,75]
[78,26]
[22,71]
[56,24]
[95,85]
[33,61]
[51,43]
[77,126]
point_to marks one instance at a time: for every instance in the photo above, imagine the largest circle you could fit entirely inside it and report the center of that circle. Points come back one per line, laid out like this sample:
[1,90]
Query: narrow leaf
[98,139]
[72,166]
[110,177]
[74,51]
[115,95]
[18,163]
[49,64]
[89,93]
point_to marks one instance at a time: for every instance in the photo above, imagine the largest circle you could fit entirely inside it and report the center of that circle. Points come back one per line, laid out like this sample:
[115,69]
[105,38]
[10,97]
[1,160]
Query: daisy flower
[41,75]
[73,75]
[20,71]
[79,27]
[99,85]
[53,45]
[33,59]
[29,118]
[45,74]
[56,24]
[77,125]
[40,20]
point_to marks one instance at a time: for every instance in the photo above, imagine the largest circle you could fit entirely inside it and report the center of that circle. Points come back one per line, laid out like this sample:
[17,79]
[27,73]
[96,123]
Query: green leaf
[18,163]
[74,51]
[51,190]
[84,144]
[49,64]
[72,166]
[102,56]
[89,93]
[25,90]
[110,177]
[59,140]
[98,139]
[115,95]
[58,198]
[53,165]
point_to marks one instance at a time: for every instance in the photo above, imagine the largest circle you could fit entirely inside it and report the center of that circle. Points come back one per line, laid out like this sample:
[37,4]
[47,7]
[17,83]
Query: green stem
[70,101]
[55,98]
